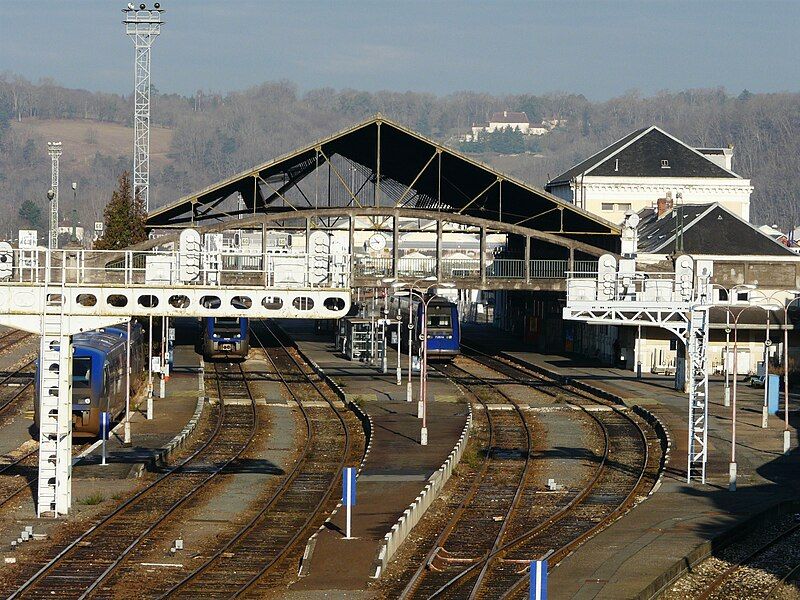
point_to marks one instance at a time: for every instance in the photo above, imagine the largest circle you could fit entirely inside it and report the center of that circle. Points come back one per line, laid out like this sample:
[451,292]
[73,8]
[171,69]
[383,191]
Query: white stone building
[511,120]
[648,164]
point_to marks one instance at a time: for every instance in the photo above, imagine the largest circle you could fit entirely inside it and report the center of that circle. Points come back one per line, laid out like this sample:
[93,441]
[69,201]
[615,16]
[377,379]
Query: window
[81,372]
[665,164]
[439,321]
[620,206]
[616,164]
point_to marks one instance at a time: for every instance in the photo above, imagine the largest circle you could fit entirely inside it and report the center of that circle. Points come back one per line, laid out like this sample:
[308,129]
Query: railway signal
[349,494]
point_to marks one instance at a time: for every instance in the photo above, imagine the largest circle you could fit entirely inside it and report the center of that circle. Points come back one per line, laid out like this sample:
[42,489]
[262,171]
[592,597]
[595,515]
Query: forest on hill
[209,136]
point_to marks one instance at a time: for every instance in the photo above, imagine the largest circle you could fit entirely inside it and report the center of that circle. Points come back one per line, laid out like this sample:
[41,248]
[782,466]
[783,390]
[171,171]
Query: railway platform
[639,554]
[396,468]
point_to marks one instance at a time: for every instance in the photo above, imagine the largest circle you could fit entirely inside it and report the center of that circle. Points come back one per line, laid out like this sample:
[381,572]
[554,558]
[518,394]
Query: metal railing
[655,287]
[164,268]
[470,268]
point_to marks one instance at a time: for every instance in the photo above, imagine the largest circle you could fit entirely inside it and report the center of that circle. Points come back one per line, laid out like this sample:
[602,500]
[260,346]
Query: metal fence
[470,268]
[169,268]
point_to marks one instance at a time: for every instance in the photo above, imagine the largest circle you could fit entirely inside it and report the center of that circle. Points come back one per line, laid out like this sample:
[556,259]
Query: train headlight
[87,400]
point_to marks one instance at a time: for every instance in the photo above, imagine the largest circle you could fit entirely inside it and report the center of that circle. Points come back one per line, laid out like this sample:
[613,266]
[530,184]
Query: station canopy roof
[379,163]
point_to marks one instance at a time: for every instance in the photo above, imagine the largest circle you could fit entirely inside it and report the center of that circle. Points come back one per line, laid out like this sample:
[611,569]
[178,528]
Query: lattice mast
[142,25]
[54,150]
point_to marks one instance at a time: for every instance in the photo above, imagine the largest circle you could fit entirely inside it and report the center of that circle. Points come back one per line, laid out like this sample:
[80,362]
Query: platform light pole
[399,332]
[767,344]
[128,386]
[786,433]
[411,287]
[732,465]
[142,25]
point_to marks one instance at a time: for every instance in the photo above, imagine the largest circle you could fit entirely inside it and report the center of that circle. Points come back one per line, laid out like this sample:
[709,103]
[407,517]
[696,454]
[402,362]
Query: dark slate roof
[640,154]
[707,229]
[507,116]
[595,159]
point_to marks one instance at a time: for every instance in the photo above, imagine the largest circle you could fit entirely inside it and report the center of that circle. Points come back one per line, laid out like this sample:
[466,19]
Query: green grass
[92,499]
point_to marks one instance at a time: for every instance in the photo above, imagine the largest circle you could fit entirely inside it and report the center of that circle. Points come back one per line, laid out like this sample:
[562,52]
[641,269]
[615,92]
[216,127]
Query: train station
[376,367]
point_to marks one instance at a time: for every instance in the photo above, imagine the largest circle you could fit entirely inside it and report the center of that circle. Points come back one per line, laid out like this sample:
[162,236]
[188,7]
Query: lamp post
[397,285]
[767,344]
[732,466]
[786,433]
[399,332]
[422,406]
[726,371]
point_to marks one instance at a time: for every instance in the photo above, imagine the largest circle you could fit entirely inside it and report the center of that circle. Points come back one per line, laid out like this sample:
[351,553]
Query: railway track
[254,552]
[13,337]
[764,564]
[85,563]
[14,384]
[478,523]
[625,469]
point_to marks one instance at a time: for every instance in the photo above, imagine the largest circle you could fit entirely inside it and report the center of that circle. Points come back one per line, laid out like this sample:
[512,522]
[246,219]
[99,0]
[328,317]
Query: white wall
[643,192]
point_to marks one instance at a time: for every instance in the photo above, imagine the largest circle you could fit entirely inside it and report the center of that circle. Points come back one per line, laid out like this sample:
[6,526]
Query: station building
[689,201]
[648,164]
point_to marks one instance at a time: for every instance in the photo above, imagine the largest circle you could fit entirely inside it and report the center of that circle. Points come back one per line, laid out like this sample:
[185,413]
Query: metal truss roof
[379,163]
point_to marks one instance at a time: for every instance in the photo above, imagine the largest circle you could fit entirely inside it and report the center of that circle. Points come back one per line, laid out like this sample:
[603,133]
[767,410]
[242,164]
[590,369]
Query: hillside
[83,138]
[203,138]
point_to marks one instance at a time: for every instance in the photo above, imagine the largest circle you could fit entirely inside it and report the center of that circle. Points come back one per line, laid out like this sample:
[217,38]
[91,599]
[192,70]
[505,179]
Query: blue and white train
[444,328]
[226,337]
[98,375]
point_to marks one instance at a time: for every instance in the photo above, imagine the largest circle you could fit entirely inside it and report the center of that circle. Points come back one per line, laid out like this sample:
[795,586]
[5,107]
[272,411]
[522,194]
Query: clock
[377,242]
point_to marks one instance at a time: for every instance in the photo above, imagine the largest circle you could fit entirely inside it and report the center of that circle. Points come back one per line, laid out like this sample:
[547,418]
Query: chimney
[664,205]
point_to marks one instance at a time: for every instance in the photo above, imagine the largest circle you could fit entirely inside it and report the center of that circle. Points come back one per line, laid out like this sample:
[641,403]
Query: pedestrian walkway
[395,470]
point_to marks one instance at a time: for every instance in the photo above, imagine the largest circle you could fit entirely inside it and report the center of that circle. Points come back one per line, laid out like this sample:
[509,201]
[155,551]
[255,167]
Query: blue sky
[599,48]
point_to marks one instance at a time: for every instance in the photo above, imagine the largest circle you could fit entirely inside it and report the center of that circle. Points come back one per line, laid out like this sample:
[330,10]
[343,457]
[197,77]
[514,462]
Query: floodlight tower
[54,150]
[142,25]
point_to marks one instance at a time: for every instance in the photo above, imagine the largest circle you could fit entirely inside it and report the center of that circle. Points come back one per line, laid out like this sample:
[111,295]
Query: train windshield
[81,373]
[439,321]
[223,325]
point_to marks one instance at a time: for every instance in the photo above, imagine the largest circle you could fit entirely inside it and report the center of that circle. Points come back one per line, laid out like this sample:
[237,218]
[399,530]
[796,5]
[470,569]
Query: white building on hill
[648,164]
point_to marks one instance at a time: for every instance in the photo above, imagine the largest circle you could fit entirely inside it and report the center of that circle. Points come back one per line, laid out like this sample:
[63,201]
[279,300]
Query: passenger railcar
[444,328]
[225,337]
[98,376]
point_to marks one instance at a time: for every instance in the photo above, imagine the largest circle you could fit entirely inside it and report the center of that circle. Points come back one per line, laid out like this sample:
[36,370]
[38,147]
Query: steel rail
[559,553]
[133,500]
[285,486]
[332,484]
[460,509]
[484,563]
[727,574]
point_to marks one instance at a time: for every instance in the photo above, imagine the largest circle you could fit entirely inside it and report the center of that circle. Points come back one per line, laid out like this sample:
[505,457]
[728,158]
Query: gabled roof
[387,165]
[507,116]
[640,154]
[707,229]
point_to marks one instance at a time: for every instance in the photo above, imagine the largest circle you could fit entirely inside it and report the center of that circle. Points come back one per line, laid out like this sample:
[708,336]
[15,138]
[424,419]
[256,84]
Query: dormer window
[665,164]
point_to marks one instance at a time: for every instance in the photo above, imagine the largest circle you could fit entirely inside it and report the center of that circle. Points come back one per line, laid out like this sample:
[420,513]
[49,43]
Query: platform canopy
[379,163]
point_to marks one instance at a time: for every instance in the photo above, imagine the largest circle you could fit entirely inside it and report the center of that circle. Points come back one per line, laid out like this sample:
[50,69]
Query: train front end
[226,337]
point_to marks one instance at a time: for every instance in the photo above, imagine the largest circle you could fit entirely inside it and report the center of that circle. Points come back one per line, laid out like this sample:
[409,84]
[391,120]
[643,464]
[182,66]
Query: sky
[599,48]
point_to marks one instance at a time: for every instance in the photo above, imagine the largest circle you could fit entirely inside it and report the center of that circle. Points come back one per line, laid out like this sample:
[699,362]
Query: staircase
[55,407]
[698,394]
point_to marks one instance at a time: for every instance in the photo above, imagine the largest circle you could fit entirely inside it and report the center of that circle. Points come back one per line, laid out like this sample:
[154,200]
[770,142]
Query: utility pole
[142,25]
[54,150]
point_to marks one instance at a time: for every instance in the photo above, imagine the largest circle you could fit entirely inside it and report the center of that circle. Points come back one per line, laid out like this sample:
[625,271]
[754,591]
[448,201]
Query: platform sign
[105,430]
[538,580]
[349,493]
